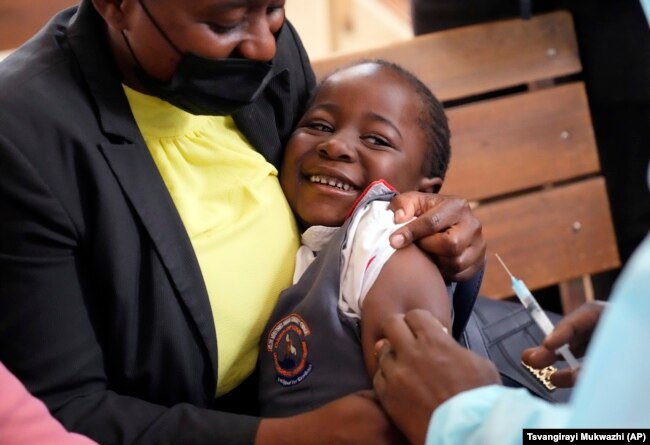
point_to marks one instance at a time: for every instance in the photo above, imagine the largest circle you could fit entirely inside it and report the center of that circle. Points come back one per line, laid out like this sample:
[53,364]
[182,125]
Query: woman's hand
[353,419]
[575,329]
[421,366]
[445,228]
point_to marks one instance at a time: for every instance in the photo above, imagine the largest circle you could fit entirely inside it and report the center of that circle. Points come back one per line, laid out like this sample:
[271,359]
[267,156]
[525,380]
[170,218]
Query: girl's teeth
[330,181]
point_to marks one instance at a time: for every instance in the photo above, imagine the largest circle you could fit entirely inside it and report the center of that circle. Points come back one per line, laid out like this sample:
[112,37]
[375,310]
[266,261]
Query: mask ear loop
[128,45]
[159,28]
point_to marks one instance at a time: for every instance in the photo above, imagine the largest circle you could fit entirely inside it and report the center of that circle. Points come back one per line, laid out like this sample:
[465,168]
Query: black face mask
[204,86]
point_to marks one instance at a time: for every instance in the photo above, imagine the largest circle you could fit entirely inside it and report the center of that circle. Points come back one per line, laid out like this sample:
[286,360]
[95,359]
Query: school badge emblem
[288,344]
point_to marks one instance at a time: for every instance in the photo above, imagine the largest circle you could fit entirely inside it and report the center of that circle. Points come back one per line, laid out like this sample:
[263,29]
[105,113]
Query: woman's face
[208,28]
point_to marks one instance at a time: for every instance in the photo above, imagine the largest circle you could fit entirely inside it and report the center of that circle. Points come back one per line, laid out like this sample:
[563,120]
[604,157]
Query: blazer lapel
[145,189]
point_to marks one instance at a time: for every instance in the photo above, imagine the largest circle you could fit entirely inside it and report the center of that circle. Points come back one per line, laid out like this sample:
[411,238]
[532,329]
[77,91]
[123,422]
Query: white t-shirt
[365,252]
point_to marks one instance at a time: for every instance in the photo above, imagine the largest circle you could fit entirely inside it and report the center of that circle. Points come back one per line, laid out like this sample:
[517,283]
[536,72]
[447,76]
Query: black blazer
[104,314]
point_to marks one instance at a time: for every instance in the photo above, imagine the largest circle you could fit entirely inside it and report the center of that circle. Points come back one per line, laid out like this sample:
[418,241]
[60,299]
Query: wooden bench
[523,147]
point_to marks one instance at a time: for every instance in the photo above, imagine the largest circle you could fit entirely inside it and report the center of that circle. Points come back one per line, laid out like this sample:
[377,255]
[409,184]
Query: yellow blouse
[240,224]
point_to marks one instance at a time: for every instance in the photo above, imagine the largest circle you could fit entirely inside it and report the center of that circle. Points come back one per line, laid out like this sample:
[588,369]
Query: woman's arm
[353,419]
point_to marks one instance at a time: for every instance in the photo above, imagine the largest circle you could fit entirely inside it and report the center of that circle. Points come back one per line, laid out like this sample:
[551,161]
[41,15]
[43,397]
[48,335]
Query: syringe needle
[537,314]
[503,264]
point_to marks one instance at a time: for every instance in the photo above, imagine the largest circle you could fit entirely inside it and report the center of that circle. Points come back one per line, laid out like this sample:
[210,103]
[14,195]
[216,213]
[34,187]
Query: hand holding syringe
[538,315]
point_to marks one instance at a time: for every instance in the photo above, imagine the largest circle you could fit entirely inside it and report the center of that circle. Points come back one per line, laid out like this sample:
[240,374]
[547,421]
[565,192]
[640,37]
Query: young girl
[371,130]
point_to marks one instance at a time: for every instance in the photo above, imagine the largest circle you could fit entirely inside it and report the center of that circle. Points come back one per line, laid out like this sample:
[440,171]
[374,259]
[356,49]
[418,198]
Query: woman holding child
[145,236]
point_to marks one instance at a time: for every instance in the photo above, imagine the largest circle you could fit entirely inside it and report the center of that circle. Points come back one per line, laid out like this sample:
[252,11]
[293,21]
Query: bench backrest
[523,147]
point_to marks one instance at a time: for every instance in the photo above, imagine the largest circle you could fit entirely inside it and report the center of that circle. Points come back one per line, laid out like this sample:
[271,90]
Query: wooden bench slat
[520,142]
[549,236]
[479,58]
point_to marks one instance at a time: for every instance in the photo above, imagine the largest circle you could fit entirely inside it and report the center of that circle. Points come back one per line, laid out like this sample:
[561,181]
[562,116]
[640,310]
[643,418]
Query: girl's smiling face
[363,125]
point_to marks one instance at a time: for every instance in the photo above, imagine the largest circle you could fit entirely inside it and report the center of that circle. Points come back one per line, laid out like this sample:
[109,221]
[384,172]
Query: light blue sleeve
[645,4]
[612,390]
[491,415]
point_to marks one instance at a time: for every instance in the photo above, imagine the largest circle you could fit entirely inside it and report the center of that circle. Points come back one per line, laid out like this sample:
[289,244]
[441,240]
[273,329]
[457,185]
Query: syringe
[538,315]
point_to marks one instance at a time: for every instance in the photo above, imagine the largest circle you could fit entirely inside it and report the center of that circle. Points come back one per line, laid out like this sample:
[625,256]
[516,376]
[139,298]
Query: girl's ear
[430,185]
